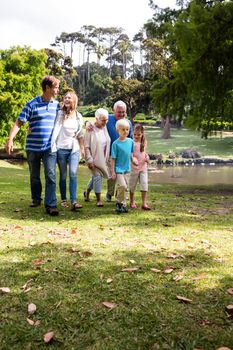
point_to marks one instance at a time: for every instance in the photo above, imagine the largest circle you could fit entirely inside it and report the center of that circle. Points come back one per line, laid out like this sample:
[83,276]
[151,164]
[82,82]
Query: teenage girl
[139,172]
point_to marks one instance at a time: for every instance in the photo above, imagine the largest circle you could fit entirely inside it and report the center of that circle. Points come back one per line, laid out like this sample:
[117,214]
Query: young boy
[121,154]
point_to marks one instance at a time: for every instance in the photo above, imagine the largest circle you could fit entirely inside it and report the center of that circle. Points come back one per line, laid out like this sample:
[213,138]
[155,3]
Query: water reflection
[191,175]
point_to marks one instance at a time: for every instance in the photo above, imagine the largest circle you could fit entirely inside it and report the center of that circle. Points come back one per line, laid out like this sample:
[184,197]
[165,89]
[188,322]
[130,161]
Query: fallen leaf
[37,323]
[205,241]
[130,269]
[109,305]
[155,270]
[109,280]
[85,254]
[229,309]
[168,270]
[183,299]
[18,227]
[73,231]
[31,322]
[178,278]
[230,291]
[48,337]
[175,256]
[132,261]
[191,245]
[38,262]
[5,290]
[27,283]
[17,210]
[101,227]
[31,308]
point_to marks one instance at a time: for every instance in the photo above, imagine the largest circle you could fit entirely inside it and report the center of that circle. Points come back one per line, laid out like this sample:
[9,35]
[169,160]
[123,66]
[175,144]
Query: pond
[191,175]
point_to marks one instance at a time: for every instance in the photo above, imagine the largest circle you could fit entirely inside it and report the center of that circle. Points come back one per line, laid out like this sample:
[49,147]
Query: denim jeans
[65,157]
[49,161]
[95,183]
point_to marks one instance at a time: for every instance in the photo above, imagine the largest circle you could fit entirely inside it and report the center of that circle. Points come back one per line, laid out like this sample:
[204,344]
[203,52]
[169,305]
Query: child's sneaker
[119,207]
[124,209]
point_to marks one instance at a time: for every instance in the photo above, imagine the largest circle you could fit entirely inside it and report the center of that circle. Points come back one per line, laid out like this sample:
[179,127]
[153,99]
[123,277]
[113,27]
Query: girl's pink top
[141,158]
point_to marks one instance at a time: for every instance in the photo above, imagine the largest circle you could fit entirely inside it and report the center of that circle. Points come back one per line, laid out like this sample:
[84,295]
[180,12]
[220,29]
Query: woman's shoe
[146,207]
[75,206]
[133,206]
[64,203]
[99,204]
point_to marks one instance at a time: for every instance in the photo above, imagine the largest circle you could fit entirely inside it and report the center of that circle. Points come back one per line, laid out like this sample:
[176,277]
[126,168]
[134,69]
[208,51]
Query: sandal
[85,197]
[133,206]
[64,203]
[99,204]
[146,207]
[75,206]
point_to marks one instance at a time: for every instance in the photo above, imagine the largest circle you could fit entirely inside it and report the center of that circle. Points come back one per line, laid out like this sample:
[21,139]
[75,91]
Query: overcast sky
[37,23]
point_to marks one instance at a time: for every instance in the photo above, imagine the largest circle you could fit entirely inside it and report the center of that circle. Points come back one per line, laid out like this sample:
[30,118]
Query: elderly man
[40,113]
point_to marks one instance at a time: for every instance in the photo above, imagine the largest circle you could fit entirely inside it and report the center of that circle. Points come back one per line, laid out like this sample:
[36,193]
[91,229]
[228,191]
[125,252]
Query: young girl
[139,171]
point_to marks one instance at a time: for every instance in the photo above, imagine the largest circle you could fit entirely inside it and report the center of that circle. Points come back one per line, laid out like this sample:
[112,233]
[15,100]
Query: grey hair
[101,112]
[122,123]
[119,104]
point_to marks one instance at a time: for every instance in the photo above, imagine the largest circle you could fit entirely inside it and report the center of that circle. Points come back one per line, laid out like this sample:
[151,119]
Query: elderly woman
[97,150]
[67,139]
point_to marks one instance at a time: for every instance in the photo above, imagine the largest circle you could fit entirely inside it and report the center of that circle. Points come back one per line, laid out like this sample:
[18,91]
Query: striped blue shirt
[41,116]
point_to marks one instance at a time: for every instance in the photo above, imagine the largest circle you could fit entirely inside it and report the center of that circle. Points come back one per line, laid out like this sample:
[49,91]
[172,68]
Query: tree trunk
[167,129]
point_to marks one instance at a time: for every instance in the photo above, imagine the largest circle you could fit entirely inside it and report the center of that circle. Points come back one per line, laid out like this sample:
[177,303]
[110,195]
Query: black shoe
[52,211]
[35,204]
[119,207]
[108,197]
[124,209]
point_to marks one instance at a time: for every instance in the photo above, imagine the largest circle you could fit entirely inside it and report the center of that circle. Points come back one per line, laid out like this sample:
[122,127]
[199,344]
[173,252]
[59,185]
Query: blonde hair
[73,107]
[101,112]
[122,123]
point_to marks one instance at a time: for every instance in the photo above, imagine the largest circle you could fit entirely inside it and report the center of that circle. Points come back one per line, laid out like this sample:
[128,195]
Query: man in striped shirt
[40,113]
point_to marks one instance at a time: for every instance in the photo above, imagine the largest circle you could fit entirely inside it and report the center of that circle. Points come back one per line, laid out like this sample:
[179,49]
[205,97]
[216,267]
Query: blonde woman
[67,140]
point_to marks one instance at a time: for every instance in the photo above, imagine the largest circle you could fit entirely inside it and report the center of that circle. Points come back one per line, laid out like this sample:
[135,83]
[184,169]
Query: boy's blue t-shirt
[111,126]
[121,151]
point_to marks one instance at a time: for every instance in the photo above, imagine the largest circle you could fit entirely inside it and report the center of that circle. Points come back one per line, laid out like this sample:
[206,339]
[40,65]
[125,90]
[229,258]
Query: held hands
[91,166]
[147,158]
[134,161]
[89,126]
[9,146]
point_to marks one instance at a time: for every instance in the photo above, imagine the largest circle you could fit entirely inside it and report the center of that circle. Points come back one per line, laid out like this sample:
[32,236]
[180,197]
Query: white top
[102,138]
[67,133]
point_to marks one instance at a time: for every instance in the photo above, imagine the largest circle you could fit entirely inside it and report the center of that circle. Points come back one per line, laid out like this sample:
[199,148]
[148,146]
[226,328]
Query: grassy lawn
[188,139]
[69,265]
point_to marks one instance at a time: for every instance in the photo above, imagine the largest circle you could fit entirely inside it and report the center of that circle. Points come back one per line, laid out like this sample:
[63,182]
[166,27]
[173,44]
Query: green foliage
[21,72]
[200,85]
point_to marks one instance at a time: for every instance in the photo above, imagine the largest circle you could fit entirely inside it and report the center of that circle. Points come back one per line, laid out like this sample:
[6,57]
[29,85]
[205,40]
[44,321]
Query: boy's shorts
[138,177]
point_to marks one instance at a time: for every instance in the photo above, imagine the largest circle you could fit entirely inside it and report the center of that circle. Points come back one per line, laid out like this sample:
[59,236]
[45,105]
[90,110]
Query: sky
[37,23]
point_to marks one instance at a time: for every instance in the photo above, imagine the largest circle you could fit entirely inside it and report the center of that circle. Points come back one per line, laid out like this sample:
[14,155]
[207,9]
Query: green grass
[69,259]
[188,139]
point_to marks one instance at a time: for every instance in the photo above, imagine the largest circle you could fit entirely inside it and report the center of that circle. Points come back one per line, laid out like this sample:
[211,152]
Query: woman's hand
[91,166]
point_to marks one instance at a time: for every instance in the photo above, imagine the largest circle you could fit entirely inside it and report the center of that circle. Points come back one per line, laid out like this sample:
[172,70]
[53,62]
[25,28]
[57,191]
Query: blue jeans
[95,183]
[65,157]
[49,160]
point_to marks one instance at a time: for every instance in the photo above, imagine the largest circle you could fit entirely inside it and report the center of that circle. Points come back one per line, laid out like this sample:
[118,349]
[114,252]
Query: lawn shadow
[69,285]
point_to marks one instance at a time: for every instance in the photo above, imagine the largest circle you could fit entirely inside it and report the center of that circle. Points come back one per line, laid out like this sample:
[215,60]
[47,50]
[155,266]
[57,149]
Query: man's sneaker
[108,197]
[35,204]
[124,209]
[52,211]
[119,207]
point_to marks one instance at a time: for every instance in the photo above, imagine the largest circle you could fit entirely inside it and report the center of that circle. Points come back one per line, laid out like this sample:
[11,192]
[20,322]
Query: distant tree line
[183,71]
